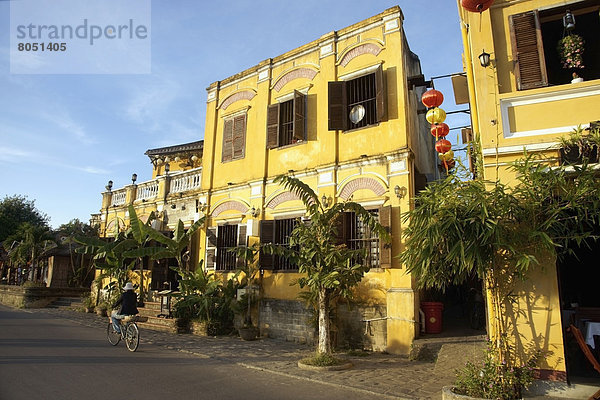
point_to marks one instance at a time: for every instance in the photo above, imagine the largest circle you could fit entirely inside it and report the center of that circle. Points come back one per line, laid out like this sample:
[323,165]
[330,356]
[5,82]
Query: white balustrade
[184,181]
[118,197]
[147,190]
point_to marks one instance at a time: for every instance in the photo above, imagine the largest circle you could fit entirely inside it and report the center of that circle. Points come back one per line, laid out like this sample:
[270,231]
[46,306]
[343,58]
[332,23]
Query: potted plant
[492,378]
[88,304]
[577,146]
[570,48]
[101,309]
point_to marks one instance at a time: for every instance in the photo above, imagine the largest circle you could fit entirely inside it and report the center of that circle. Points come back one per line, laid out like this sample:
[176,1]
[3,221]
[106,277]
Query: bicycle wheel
[114,337]
[132,336]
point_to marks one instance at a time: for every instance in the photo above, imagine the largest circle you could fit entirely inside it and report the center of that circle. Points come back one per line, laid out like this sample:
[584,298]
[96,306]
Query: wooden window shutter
[528,50]
[299,116]
[239,136]
[385,249]
[242,240]
[381,103]
[273,126]
[267,234]
[343,224]
[338,106]
[227,140]
[211,248]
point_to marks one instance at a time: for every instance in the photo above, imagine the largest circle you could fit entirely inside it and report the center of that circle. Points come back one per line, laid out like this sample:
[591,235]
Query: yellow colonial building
[337,113]
[524,95]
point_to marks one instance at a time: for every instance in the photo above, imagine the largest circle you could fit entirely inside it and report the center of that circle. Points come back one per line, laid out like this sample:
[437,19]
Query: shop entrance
[578,279]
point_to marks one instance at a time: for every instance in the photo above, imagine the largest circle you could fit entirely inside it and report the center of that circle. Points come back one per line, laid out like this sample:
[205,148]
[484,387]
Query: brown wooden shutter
[342,224]
[239,136]
[299,116]
[273,126]
[267,234]
[227,140]
[528,50]
[381,103]
[385,249]
[338,108]
[211,248]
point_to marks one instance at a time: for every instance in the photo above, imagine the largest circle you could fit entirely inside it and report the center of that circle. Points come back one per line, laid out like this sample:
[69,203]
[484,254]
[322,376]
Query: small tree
[330,269]
[29,244]
[462,228]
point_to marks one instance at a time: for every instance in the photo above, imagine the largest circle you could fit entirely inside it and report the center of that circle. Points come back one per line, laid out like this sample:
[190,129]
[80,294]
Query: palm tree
[330,269]
[29,244]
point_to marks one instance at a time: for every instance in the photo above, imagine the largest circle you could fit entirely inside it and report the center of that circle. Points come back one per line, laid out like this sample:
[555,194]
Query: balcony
[186,181]
[147,190]
[158,189]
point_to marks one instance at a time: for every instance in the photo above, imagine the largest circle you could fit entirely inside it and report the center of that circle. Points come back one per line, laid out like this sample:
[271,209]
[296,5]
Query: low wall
[354,332]
[290,320]
[35,297]
[286,319]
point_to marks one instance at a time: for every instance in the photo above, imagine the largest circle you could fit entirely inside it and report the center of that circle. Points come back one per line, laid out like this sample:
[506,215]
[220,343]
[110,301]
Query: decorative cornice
[228,206]
[301,72]
[362,183]
[179,148]
[282,198]
[365,48]
[243,95]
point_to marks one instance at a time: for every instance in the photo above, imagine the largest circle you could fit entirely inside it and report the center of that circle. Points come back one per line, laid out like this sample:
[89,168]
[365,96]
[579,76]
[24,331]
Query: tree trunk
[324,346]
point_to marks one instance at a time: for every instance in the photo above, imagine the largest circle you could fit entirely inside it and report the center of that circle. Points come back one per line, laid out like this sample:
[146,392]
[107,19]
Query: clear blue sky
[64,136]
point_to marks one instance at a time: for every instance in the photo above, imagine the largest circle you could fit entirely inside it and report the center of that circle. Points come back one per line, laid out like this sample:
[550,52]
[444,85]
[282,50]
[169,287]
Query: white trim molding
[520,148]
[559,95]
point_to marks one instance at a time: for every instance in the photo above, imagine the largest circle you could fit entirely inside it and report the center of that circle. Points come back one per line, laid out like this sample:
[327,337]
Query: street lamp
[484,59]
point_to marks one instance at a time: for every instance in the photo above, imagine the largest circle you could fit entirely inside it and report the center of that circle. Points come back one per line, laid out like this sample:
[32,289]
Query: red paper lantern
[443,146]
[476,5]
[448,164]
[432,98]
[440,130]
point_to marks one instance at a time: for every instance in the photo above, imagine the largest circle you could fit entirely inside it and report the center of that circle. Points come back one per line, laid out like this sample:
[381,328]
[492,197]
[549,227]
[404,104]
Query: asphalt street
[42,357]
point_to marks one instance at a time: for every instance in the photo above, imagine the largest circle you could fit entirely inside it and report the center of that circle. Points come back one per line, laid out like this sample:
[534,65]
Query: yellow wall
[511,120]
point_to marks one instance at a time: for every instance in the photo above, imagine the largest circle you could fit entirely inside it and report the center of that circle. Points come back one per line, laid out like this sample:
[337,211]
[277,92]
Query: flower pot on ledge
[248,333]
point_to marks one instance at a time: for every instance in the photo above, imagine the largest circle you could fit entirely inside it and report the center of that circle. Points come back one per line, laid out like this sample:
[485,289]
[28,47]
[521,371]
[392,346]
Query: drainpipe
[464,29]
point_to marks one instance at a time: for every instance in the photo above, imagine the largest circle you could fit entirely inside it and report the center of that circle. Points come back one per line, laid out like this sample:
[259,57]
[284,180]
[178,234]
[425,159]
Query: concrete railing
[185,181]
[147,190]
[119,197]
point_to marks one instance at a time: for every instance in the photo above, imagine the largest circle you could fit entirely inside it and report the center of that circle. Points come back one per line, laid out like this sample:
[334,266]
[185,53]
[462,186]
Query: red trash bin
[433,316]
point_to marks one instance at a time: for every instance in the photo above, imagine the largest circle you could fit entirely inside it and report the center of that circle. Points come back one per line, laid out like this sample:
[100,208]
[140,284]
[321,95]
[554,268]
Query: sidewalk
[386,375]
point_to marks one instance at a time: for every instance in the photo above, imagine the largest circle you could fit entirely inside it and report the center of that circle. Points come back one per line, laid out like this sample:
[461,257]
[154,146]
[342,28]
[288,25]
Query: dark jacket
[128,302]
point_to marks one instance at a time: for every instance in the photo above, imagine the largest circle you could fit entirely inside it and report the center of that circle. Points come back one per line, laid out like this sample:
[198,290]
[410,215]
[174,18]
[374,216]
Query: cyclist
[128,302]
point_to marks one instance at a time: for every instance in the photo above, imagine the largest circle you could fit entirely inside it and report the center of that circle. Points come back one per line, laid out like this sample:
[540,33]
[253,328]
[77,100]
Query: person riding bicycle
[128,302]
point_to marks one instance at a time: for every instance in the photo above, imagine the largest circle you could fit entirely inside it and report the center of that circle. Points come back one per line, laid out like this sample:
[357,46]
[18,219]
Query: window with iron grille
[360,236]
[363,96]
[286,122]
[277,232]
[227,238]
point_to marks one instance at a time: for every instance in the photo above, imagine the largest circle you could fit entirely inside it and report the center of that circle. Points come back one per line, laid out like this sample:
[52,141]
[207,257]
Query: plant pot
[248,333]
[101,312]
[89,309]
[199,328]
[576,80]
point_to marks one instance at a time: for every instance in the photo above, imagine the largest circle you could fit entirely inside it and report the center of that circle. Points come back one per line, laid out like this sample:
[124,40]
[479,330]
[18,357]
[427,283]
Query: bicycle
[130,333]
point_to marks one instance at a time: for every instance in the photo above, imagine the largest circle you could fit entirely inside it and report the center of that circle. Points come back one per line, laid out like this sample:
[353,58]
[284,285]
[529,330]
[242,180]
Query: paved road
[42,357]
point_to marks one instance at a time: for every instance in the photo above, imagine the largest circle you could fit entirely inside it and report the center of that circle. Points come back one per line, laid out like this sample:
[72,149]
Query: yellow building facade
[337,113]
[524,99]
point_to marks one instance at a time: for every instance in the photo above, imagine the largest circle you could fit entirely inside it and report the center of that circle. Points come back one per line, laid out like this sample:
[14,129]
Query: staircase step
[162,328]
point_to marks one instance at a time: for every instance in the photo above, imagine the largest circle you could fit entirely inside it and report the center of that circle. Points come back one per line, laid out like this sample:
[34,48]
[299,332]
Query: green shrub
[495,379]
